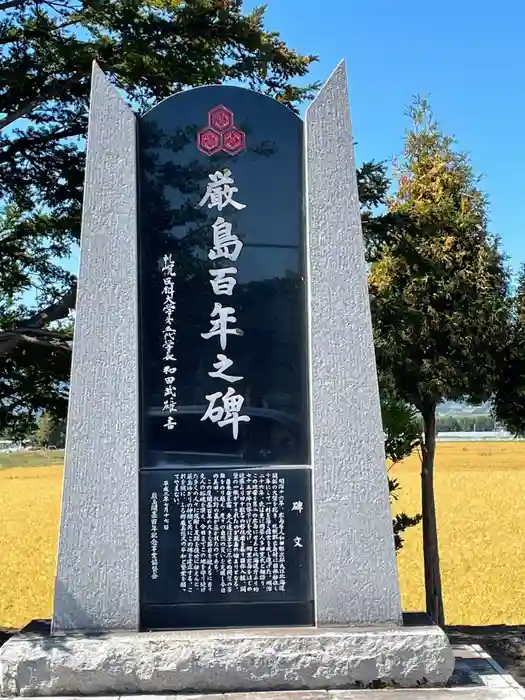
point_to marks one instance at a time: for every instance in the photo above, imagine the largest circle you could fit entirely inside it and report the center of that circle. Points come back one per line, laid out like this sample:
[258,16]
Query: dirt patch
[505,643]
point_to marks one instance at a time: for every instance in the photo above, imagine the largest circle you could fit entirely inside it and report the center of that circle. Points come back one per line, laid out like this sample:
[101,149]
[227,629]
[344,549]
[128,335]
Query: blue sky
[467,56]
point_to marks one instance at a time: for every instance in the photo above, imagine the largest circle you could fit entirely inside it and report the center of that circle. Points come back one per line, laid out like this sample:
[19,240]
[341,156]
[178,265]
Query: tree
[439,297]
[478,423]
[509,398]
[51,431]
[149,49]
[402,437]
[401,423]
[447,423]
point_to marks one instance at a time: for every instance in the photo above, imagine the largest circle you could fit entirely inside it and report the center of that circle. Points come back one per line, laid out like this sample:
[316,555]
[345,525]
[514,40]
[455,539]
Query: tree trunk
[434,595]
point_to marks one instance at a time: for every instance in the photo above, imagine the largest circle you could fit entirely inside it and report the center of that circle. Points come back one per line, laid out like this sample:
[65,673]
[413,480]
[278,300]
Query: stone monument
[225,502]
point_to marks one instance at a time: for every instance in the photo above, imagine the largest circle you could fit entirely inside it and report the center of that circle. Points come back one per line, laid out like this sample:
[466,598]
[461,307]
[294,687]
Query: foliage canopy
[439,296]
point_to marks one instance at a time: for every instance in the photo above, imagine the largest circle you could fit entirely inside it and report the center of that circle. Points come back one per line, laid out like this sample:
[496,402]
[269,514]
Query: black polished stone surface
[222,229]
[226,547]
[269,296]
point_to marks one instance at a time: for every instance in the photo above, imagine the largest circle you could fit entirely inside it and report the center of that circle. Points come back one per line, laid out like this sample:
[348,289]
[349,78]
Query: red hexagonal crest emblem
[221,134]
[233,141]
[209,141]
[220,118]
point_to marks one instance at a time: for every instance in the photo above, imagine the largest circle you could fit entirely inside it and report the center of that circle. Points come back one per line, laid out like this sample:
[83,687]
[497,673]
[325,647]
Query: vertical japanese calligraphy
[154,536]
[239,533]
[226,245]
[168,335]
[233,532]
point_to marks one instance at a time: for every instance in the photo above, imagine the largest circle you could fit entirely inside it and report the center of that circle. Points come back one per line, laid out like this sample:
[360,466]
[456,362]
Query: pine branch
[52,92]
[36,140]
[55,311]
[32,331]
[11,3]
[24,110]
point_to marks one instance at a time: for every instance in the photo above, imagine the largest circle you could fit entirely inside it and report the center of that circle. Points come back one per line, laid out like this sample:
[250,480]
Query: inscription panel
[239,537]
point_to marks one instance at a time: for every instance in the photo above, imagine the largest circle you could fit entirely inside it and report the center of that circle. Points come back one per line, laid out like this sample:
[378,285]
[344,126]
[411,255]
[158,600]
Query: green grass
[40,458]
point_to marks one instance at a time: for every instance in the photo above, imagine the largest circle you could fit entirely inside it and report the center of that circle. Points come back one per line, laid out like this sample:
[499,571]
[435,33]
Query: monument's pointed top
[102,85]
[337,80]
[96,71]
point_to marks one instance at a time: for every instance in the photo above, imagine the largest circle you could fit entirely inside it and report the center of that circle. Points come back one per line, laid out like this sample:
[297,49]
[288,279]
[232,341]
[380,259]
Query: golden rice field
[480,501]
[480,493]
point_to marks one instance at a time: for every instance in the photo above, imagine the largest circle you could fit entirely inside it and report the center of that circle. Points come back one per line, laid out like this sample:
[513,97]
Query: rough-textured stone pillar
[97,575]
[356,573]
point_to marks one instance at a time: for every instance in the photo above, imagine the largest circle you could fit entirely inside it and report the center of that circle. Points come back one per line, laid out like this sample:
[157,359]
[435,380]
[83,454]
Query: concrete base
[385,694]
[224,661]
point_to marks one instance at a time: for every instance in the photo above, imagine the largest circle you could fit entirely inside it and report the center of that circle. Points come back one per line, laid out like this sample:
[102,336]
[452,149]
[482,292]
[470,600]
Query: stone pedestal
[222,661]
